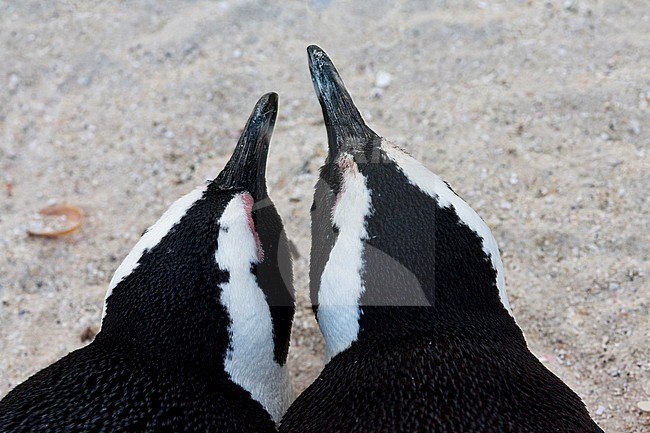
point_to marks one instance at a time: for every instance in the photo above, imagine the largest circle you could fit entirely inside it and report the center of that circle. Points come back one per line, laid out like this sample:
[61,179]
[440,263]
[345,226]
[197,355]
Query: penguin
[408,290]
[196,323]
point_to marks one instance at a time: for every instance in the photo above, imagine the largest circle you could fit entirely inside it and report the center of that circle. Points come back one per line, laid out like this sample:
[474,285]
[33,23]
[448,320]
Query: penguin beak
[246,168]
[346,129]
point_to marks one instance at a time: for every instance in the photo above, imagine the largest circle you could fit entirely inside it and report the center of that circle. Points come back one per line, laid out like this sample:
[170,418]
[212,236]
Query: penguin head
[208,288]
[394,250]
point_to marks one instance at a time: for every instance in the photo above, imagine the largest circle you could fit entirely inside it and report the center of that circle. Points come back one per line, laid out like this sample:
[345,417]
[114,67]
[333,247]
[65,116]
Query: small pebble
[14,81]
[88,334]
[635,126]
[383,79]
[644,405]
[614,372]
[377,92]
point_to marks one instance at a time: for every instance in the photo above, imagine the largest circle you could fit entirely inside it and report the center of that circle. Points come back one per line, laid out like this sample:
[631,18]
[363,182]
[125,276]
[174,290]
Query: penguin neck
[162,300]
[251,360]
[395,251]
[421,251]
[456,213]
[194,304]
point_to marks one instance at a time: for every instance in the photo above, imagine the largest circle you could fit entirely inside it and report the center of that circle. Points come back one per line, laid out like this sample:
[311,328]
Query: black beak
[345,126]
[246,168]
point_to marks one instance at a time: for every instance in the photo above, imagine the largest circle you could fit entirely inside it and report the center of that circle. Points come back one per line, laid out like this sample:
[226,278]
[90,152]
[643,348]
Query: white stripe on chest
[250,358]
[432,185]
[341,285]
[152,237]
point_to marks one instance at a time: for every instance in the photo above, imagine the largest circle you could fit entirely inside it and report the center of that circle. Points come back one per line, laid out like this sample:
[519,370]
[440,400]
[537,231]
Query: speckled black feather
[158,363]
[436,351]
[109,386]
[457,381]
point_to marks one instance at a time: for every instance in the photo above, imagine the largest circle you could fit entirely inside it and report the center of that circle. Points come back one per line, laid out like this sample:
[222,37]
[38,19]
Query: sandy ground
[535,112]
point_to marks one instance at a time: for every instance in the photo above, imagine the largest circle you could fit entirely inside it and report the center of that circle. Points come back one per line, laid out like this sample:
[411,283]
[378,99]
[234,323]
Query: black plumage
[443,380]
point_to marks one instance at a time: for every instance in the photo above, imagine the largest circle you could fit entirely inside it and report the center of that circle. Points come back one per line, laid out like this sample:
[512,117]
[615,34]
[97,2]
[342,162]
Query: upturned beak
[246,168]
[346,129]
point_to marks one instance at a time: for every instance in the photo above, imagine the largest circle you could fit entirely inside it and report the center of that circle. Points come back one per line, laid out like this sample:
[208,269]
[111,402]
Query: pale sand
[535,112]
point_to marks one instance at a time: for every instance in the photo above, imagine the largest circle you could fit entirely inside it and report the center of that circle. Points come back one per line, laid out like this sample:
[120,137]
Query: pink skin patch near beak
[248,201]
[345,163]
